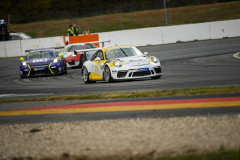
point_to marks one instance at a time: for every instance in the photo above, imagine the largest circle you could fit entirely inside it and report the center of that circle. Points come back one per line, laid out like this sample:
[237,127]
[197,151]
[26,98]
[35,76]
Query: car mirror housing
[145,53]
[60,55]
[22,59]
[97,59]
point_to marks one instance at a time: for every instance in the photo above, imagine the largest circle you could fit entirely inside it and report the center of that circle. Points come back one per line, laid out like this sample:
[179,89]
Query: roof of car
[75,44]
[107,48]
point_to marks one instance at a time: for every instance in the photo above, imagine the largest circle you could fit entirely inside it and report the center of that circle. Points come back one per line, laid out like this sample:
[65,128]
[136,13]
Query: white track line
[237,55]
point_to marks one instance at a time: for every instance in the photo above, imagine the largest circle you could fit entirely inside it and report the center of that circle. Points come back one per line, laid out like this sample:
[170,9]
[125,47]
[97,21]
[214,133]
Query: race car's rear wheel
[107,75]
[85,75]
[82,60]
[65,67]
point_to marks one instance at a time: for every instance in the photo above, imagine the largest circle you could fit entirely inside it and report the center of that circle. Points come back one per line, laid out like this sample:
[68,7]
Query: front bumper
[133,73]
[40,70]
[72,63]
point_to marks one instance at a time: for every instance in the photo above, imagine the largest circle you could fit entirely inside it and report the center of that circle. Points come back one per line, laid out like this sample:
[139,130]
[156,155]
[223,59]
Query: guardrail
[135,37]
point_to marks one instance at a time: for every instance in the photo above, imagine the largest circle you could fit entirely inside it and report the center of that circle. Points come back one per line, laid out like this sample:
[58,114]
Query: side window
[94,56]
[100,55]
[88,46]
[68,49]
[16,38]
[93,46]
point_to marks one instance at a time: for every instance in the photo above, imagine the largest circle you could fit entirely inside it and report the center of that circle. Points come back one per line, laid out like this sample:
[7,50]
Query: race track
[184,65]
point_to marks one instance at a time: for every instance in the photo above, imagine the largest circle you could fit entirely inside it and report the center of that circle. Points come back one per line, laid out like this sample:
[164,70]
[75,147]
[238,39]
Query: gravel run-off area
[122,138]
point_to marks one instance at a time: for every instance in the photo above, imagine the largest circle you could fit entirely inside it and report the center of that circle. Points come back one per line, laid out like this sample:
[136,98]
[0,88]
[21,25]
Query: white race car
[120,63]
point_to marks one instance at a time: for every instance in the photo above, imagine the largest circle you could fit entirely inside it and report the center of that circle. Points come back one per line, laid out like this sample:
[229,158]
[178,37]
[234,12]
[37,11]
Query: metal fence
[124,16]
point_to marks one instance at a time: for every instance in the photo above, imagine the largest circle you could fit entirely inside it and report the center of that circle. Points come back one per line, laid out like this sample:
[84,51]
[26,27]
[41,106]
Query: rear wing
[87,50]
[92,49]
[100,42]
[45,48]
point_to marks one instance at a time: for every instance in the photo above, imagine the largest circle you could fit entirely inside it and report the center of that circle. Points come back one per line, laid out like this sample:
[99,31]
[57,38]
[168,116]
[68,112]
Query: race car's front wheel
[85,75]
[107,75]
[156,77]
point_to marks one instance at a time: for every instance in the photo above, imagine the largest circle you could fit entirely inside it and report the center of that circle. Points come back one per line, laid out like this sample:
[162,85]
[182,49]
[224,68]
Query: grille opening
[55,69]
[130,75]
[152,72]
[42,72]
[71,62]
[121,74]
[158,69]
[143,73]
[25,72]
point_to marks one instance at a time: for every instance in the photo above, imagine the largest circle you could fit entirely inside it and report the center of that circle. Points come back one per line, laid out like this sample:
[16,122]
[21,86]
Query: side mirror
[97,59]
[73,55]
[145,53]
[75,52]
[60,55]
[22,59]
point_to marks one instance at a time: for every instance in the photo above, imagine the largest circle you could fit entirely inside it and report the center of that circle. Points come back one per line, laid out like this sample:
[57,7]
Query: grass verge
[135,94]
[134,20]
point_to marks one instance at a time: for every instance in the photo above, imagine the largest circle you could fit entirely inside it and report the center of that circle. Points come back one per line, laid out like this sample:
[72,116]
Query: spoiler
[45,48]
[86,50]
[93,49]
[100,42]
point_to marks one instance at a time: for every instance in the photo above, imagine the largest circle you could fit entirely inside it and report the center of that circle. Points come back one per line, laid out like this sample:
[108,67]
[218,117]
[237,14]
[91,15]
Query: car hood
[39,61]
[134,60]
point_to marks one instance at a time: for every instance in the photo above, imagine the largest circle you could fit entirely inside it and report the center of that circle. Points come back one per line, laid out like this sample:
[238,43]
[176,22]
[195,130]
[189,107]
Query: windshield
[41,54]
[76,47]
[132,51]
[114,53]
[25,36]
[62,50]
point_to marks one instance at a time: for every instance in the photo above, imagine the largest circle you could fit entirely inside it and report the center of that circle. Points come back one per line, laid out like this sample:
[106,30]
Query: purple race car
[40,62]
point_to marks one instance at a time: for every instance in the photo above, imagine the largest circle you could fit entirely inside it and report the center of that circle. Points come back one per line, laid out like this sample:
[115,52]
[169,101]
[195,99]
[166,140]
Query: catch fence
[124,16]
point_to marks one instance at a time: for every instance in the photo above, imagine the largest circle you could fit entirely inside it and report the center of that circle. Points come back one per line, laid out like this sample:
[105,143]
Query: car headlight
[24,64]
[154,59]
[117,64]
[55,60]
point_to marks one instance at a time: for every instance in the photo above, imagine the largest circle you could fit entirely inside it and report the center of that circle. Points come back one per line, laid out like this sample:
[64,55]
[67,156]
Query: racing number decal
[96,69]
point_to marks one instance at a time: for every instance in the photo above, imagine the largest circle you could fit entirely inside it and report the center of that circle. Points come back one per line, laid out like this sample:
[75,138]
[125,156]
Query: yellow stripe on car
[29,70]
[95,77]
[50,68]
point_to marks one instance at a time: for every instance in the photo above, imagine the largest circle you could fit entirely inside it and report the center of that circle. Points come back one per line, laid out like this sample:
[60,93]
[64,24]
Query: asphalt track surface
[184,65]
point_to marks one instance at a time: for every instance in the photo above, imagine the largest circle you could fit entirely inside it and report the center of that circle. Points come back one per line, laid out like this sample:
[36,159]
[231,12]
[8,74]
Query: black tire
[107,74]
[156,77]
[85,75]
[65,66]
[82,60]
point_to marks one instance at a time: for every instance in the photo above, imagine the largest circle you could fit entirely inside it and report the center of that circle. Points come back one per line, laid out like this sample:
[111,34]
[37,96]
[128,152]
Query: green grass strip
[135,94]
[221,155]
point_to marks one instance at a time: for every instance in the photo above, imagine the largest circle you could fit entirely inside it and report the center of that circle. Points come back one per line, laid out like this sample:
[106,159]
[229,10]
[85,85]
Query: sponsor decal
[40,60]
[39,69]
[26,69]
[96,69]
[114,71]
[138,61]
[141,69]
[101,66]
[60,68]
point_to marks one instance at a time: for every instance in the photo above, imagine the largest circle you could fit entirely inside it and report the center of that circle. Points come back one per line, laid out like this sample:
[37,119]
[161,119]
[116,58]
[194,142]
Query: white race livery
[120,63]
